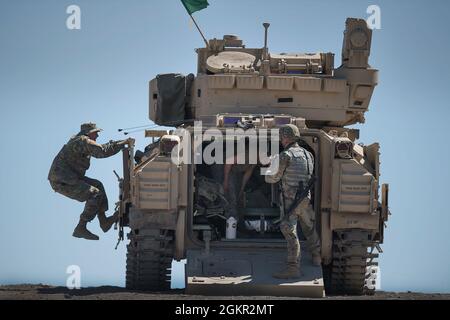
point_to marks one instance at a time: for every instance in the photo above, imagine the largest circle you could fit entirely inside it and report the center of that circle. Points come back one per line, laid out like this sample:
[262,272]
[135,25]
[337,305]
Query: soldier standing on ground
[295,165]
[67,177]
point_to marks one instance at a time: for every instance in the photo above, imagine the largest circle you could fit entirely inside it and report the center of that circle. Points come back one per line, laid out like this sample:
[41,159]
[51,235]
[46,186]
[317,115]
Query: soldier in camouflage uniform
[67,177]
[295,164]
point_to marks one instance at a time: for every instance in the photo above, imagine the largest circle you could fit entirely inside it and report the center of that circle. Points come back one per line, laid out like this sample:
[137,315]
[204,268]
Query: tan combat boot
[107,222]
[82,232]
[316,259]
[291,272]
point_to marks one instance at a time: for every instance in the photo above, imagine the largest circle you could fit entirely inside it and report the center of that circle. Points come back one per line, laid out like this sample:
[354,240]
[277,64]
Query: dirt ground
[45,292]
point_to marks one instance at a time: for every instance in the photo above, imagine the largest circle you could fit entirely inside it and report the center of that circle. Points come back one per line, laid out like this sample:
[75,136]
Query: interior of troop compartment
[257,210]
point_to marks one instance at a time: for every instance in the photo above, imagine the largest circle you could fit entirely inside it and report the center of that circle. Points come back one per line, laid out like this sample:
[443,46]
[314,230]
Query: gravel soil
[45,292]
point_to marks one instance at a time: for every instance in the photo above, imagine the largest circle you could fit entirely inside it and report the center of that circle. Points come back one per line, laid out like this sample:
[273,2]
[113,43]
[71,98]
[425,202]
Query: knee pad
[94,191]
[95,194]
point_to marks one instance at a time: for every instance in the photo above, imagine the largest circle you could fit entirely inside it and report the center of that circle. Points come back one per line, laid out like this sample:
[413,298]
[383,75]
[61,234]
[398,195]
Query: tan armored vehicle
[176,207]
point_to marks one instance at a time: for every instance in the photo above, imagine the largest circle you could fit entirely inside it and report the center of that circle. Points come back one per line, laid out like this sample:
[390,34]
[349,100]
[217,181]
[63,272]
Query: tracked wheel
[352,266]
[149,259]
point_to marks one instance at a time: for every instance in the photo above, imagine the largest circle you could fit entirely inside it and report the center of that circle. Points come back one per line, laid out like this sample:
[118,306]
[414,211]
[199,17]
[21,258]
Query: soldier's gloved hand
[273,158]
[130,141]
[120,143]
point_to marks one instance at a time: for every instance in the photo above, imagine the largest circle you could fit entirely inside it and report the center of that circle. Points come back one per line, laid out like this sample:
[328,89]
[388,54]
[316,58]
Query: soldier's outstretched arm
[282,165]
[104,150]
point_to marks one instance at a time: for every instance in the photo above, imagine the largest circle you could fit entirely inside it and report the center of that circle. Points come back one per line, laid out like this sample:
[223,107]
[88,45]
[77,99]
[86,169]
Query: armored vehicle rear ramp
[225,272]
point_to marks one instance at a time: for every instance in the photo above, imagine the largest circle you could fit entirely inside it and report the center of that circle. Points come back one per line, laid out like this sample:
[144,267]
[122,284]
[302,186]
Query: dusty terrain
[44,292]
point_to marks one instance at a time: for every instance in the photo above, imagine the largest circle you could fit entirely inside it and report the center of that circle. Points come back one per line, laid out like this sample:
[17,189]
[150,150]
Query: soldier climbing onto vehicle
[67,177]
[295,171]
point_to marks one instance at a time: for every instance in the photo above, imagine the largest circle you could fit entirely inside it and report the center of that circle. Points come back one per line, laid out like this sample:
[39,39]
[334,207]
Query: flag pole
[198,28]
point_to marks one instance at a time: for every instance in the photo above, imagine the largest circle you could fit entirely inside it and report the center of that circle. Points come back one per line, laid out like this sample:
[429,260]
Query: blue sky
[53,79]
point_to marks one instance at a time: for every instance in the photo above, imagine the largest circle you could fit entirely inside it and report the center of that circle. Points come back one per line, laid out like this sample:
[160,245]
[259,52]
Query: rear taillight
[344,149]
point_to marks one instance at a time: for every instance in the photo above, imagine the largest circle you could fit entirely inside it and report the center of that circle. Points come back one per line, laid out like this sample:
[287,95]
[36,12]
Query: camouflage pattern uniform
[67,173]
[296,164]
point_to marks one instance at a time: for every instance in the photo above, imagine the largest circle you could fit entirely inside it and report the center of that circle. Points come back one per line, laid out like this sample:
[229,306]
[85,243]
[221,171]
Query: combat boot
[316,259]
[82,232]
[107,222]
[291,272]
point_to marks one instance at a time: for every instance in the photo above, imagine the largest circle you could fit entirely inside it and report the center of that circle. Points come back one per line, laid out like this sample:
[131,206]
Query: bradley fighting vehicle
[176,209]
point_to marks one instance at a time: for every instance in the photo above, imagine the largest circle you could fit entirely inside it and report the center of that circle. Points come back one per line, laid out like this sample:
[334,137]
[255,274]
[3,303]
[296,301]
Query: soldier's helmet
[87,128]
[289,131]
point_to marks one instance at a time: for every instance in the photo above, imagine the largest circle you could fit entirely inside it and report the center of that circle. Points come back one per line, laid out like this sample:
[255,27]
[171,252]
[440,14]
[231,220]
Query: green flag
[194,5]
